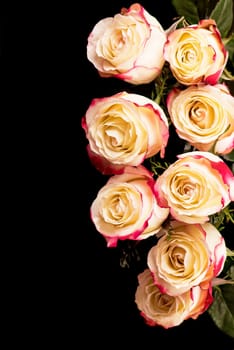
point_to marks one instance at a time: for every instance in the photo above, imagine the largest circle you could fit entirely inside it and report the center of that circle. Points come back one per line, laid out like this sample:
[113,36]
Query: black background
[75,294]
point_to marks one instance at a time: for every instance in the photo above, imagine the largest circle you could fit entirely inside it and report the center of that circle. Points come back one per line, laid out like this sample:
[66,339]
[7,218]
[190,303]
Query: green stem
[219,281]
[229,252]
[160,91]
[228,212]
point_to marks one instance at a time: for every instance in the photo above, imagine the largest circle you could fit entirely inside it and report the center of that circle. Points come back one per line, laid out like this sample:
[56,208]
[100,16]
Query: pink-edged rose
[128,46]
[126,208]
[196,53]
[203,116]
[124,129]
[195,186]
[185,256]
[160,309]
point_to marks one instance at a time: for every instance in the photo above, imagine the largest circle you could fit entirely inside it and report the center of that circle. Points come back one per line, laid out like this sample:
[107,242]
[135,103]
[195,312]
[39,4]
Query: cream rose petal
[217,247]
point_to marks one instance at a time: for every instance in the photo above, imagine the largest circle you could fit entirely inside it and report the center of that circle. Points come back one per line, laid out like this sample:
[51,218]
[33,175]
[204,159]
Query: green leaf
[187,9]
[222,308]
[231,272]
[223,16]
[203,8]
[229,46]
[229,156]
[227,76]
[228,269]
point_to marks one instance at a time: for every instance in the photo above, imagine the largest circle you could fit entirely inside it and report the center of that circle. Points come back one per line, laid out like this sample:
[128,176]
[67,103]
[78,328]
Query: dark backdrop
[70,287]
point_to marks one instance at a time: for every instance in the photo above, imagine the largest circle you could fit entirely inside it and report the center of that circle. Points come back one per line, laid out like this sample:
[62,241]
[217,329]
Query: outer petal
[225,145]
[217,247]
[202,299]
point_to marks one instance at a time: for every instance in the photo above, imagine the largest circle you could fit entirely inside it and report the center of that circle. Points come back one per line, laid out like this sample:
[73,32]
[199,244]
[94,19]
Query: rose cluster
[125,129]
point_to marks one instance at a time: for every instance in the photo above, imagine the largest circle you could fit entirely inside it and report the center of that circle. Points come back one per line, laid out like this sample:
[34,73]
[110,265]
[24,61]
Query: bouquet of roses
[180,203]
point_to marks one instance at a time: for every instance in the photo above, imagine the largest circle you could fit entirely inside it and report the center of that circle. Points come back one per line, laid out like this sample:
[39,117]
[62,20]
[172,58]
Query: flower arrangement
[181,204]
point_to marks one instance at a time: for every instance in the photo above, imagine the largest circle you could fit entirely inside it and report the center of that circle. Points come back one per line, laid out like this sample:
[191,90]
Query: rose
[203,116]
[124,129]
[126,208]
[128,46]
[195,186]
[185,256]
[196,53]
[169,311]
